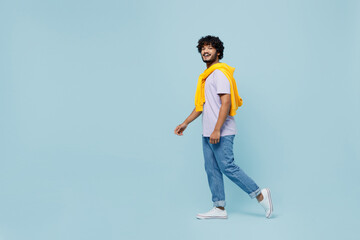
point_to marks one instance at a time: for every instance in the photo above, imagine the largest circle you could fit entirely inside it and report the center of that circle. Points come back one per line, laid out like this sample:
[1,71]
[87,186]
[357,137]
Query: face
[209,54]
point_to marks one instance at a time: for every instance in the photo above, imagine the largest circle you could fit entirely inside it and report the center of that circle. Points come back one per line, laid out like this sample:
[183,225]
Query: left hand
[215,137]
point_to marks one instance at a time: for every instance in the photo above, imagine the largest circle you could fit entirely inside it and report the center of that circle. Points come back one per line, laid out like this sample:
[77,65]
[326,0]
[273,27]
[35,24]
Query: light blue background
[91,92]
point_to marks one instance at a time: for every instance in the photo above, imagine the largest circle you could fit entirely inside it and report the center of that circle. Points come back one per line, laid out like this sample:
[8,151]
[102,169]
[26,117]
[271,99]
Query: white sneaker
[213,213]
[267,202]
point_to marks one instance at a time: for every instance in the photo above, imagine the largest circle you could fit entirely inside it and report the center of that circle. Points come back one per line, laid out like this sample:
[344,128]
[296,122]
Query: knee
[209,167]
[212,168]
[229,169]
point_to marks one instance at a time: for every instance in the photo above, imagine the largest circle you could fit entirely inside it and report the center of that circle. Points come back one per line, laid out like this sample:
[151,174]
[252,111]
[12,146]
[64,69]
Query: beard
[211,59]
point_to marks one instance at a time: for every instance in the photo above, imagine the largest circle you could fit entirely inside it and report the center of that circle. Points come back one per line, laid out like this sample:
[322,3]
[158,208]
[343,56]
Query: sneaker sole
[271,206]
[215,217]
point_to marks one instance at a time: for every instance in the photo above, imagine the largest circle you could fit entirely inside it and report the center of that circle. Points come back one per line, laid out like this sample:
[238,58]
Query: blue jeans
[219,160]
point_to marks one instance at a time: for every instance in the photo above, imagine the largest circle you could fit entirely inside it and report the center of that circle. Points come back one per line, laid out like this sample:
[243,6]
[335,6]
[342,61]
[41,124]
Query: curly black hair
[214,41]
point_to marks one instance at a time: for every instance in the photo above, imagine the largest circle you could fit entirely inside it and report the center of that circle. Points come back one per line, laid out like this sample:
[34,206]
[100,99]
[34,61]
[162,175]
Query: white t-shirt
[215,84]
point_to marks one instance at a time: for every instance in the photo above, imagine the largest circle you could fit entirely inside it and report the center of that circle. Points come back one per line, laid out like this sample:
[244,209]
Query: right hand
[180,129]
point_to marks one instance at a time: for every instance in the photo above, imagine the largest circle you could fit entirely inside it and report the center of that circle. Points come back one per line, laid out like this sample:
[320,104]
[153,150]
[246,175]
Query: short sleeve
[222,82]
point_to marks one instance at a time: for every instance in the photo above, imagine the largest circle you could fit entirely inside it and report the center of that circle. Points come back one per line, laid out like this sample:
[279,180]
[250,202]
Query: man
[217,99]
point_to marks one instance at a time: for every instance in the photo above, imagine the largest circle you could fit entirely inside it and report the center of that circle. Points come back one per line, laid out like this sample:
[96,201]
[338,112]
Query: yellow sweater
[236,100]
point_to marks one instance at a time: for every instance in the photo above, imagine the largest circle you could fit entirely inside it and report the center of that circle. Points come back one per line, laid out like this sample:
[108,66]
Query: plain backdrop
[91,92]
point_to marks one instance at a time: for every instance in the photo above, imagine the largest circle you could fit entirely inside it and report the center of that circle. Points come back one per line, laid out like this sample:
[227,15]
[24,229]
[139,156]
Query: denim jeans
[219,160]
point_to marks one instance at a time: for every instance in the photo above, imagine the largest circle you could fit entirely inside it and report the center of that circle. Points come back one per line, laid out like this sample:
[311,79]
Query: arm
[223,113]
[180,128]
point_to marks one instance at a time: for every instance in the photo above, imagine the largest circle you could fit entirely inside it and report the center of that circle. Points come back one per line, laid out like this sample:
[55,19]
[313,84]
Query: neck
[212,63]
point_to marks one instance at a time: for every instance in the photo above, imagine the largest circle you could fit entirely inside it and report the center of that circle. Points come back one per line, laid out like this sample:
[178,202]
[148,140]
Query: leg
[223,152]
[260,197]
[214,175]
